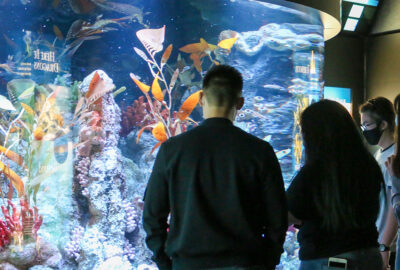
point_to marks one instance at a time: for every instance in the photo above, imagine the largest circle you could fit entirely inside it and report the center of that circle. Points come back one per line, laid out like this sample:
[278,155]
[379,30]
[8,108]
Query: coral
[99,172]
[73,246]
[131,216]
[20,223]
[139,115]
[129,251]
[83,170]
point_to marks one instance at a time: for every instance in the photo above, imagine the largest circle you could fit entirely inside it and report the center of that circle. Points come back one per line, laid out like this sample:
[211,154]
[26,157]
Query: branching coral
[73,247]
[19,224]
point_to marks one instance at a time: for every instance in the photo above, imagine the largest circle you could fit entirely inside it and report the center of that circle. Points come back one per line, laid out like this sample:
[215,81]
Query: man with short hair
[378,123]
[222,187]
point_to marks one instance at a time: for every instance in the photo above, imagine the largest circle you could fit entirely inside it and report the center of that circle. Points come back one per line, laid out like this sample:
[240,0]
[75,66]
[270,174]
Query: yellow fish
[227,44]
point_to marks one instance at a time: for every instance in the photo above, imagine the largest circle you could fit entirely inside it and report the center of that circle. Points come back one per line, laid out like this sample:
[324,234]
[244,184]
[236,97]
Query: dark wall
[344,66]
[383,72]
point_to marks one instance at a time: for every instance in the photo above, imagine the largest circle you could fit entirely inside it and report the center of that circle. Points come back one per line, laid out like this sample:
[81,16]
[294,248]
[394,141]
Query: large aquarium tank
[89,90]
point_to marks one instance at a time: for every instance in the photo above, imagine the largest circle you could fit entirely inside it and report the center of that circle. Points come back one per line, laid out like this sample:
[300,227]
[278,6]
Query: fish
[189,105]
[159,132]
[166,55]
[283,153]
[143,87]
[119,91]
[196,61]
[58,32]
[227,44]
[156,90]
[198,48]
[126,9]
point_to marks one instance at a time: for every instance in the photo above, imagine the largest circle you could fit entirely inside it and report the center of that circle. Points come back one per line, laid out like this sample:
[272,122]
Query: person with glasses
[378,124]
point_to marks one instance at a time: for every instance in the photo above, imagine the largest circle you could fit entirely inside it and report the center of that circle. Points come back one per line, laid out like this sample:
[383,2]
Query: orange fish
[14,178]
[95,80]
[38,133]
[12,156]
[196,61]
[159,132]
[189,105]
[156,90]
[145,88]
[166,54]
[200,47]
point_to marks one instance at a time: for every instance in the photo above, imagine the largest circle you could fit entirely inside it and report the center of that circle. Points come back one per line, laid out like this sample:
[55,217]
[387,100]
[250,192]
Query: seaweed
[165,123]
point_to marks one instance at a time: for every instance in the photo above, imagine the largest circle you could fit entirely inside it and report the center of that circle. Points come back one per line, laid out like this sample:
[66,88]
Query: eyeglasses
[369,126]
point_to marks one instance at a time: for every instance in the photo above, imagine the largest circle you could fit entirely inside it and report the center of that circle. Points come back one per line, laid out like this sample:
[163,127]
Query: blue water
[279,51]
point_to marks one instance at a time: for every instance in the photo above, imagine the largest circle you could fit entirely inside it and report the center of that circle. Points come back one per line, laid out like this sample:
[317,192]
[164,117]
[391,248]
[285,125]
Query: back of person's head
[334,147]
[396,164]
[222,86]
[380,109]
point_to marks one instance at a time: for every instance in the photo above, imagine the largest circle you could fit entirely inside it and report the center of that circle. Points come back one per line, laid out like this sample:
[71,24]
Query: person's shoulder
[183,137]
[249,138]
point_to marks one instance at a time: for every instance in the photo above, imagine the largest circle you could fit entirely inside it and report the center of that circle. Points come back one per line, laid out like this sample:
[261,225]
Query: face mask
[373,136]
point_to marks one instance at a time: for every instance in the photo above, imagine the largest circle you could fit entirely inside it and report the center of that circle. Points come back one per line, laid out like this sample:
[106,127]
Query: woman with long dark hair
[335,195]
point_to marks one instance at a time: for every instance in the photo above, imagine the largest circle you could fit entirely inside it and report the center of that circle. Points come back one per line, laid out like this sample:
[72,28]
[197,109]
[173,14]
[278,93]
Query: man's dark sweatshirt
[224,190]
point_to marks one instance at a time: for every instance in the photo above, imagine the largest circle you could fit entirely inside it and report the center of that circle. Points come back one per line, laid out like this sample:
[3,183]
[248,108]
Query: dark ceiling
[366,21]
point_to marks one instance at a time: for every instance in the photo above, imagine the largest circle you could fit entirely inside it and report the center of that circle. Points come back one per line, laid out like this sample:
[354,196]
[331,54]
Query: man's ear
[383,125]
[202,97]
[240,103]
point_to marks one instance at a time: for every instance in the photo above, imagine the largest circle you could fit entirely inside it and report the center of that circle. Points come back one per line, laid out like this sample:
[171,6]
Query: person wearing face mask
[378,123]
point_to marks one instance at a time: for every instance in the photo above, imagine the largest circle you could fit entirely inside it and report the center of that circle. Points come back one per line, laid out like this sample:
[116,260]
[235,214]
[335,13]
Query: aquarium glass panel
[90,89]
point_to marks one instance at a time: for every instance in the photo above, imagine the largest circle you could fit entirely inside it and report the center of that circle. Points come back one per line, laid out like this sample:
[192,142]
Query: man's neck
[219,113]
[386,140]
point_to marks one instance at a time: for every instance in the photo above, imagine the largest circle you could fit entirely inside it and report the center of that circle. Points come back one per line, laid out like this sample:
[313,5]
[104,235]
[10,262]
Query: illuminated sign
[341,95]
